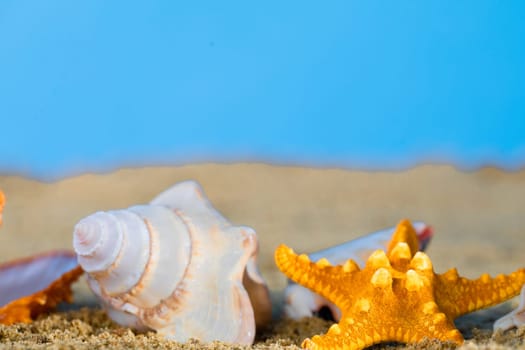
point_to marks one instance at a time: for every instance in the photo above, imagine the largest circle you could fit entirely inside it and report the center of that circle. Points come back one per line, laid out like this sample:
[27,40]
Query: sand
[478,218]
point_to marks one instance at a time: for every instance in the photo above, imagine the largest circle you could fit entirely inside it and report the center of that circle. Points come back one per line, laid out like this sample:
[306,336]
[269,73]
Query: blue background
[94,85]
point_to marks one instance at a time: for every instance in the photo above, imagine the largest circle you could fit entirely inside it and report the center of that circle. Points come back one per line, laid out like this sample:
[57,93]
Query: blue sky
[94,85]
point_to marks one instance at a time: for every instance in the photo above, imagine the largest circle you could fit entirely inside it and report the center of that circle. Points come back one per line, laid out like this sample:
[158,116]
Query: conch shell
[35,285]
[176,266]
[301,302]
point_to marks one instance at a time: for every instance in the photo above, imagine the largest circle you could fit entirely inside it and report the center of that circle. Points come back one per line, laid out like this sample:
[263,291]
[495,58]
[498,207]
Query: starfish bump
[396,297]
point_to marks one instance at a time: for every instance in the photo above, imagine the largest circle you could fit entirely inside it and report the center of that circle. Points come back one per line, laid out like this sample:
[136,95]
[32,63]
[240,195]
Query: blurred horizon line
[392,165]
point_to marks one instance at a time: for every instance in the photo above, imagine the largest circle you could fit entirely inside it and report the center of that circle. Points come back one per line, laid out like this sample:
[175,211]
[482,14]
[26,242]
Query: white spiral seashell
[177,266]
[301,302]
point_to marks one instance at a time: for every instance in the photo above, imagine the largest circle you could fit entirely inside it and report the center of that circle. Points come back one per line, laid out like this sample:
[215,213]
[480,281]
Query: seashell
[301,302]
[515,318]
[177,266]
[35,285]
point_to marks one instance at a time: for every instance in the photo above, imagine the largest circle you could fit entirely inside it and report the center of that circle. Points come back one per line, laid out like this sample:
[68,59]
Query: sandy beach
[478,220]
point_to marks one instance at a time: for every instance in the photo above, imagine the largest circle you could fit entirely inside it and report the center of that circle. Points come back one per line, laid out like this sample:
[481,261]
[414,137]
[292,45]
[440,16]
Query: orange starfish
[396,297]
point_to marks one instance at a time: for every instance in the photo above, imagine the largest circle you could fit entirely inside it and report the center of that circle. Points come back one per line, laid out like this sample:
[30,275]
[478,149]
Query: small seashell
[177,266]
[35,285]
[515,318]
[301,302]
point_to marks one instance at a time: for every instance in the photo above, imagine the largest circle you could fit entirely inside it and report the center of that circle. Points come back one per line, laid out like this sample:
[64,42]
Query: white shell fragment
[301,302]
[515,318]
[177,266]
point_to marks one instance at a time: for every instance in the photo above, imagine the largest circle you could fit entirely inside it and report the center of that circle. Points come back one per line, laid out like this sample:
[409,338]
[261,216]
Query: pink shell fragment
[2,203]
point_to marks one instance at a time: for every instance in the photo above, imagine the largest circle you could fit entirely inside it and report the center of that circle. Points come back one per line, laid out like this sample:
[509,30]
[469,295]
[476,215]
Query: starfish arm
[356,334]
[345,335]
[457,296]
[321,277]
[404,232]
[436,326]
